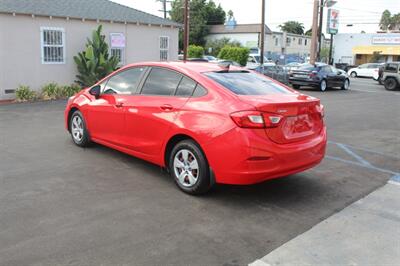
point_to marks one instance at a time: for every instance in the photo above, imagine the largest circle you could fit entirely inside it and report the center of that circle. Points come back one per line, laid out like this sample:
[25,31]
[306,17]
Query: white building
[360,48]
[38,39]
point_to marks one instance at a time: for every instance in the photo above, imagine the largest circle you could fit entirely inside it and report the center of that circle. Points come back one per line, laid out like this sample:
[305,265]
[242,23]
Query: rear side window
[247,83]
[186,87]
[308,67]
[124,82]
[161,82]
[199,91]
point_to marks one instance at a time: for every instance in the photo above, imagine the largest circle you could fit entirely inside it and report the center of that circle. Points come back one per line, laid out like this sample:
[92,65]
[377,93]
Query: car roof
[190,66]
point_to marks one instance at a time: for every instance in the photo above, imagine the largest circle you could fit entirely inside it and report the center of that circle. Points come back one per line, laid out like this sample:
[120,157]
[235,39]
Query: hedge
[237,54]
[195,51]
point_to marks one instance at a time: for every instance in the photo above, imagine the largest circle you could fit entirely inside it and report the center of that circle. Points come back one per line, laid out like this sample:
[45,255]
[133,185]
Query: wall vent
[9,91]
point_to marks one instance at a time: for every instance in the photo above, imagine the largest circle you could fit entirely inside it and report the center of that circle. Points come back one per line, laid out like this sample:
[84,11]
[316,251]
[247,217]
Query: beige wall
[20,48]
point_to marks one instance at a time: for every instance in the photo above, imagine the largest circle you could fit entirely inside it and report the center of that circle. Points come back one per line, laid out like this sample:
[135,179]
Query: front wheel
[189,168]
[391,84]
[323,85]
[353,74]
[77,127]
[296,87]
[346,84]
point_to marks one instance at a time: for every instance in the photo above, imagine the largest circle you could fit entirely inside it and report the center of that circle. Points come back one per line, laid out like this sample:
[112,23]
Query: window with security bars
[164,47]
[119,53]
[52,45]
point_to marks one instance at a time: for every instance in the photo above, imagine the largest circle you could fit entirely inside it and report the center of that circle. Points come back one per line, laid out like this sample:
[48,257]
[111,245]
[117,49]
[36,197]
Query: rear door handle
[119,105]
[166,107]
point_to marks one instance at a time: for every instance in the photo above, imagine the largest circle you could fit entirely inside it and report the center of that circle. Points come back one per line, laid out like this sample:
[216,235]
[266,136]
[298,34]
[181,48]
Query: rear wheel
[353,74]
[77,127]
[391,84]
[346,84]
[189,168]
[323,85]
[296,87]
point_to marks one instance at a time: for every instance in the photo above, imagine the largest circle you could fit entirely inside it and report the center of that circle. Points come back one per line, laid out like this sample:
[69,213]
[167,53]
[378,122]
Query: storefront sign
[386,40]
[333,21]
[117,40]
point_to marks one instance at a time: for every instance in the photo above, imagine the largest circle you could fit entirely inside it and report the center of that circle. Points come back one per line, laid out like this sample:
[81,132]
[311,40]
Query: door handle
[119,105]
[166,107]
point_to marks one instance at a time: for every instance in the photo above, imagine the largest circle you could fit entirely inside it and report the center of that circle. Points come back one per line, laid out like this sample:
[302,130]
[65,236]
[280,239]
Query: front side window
[164,48]
[391,67]
[52,45]
[161,81]
[124,82]
[247,83]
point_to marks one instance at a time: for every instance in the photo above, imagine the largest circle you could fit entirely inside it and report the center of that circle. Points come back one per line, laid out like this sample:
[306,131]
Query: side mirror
[95,91]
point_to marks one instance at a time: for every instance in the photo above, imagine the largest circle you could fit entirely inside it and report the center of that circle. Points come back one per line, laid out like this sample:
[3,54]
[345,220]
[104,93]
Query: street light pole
[262,39]
[185,29]
[314,35]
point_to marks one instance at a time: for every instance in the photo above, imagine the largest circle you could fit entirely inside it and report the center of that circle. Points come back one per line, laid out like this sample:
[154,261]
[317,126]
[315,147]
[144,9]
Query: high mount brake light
[254,119]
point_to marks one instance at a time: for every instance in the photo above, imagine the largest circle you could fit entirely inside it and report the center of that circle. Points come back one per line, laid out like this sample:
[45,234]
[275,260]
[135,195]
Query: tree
[218,44]
[94,63]
[202,14]
[292,27]
[308,33]
[385,20]
[389,21]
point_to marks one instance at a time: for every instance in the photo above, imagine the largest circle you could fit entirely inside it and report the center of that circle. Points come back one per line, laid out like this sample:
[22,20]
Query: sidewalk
[365,233]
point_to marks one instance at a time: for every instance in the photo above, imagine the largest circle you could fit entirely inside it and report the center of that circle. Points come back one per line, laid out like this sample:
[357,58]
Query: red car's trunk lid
[301,115]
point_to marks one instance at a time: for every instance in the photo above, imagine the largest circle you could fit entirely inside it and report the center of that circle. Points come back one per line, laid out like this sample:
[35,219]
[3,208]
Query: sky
[363,14]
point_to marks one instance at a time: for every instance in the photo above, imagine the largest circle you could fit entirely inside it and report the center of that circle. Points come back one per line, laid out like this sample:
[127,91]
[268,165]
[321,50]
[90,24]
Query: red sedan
[203,122]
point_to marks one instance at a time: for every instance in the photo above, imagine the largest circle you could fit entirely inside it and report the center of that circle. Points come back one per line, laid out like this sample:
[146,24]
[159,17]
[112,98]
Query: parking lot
[60,204]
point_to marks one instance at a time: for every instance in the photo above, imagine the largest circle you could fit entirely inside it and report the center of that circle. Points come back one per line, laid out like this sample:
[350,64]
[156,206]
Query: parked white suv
[365,70]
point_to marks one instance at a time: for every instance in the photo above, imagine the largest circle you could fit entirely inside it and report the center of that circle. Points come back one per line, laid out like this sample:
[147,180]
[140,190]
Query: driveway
[61,204]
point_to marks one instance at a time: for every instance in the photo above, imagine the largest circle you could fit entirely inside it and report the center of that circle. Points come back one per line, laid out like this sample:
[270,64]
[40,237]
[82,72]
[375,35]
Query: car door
[106,115]
[371,70]
[329,75]
[362,70]
[339,78]
[151,112]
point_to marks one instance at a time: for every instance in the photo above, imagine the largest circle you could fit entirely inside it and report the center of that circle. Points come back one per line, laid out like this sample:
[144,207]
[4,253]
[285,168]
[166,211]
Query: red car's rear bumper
[250,157]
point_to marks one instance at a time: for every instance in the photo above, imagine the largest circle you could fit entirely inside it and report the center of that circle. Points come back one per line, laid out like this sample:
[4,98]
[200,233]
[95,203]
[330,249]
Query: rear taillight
[253,119]
[313,74]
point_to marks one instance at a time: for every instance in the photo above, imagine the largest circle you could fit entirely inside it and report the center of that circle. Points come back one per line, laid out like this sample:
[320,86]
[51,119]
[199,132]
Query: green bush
[195,51]
[237,54]
[70,90]
[51,91]
[24,93]
[218,44]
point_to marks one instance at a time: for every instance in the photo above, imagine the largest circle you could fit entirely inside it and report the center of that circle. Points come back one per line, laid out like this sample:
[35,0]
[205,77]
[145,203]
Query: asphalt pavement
[61,204]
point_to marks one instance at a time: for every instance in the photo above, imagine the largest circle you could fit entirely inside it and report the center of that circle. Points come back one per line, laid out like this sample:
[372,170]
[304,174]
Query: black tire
[84,141]
[380,81]
[344,86]
[203,182]
[323,87]
[391,84]
[296,87]
[353,74]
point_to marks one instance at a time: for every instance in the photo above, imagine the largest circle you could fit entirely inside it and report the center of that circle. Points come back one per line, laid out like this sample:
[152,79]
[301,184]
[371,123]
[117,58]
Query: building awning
[382,49]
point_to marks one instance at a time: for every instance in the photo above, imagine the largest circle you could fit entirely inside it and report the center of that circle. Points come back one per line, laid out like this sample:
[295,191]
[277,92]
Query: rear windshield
[247,83]
[308,67]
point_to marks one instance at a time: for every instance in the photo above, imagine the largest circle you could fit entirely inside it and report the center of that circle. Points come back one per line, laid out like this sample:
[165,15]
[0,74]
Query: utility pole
[185,29]
[330,51]
[164,7]
[262,33]
[314,35]
[321,17]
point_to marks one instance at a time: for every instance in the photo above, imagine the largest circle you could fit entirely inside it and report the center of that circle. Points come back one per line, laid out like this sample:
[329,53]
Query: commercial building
[282,46]
[360,48]
[38,39]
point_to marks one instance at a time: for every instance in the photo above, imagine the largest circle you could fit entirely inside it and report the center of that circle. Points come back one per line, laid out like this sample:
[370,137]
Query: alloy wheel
[323,85]
[77,128]
[186,168]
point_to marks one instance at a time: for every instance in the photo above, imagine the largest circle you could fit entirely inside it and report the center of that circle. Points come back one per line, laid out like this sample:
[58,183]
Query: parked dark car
[277,73]
[320,75]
